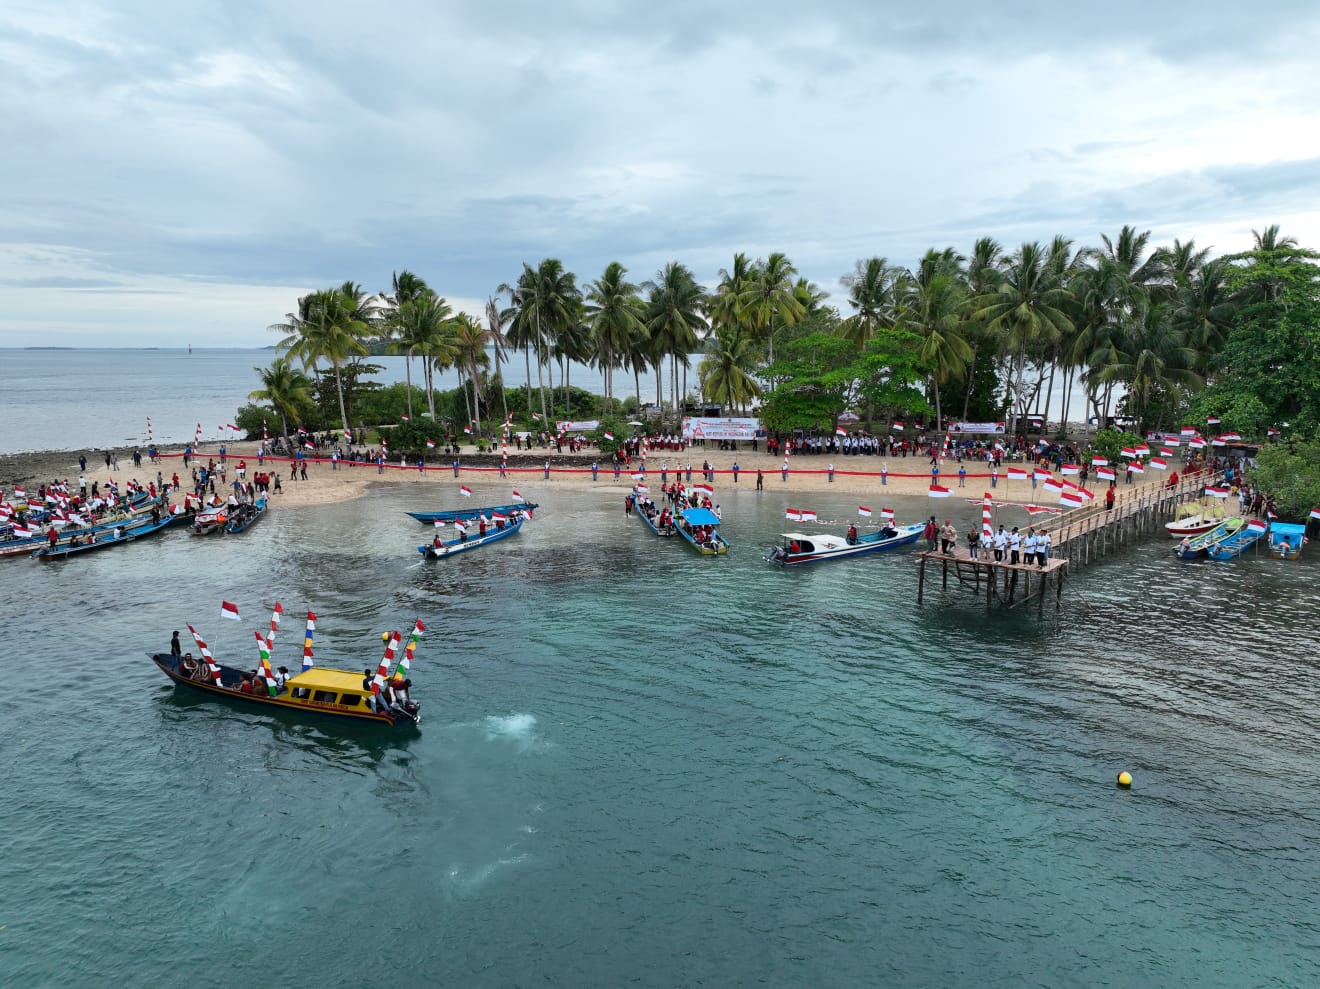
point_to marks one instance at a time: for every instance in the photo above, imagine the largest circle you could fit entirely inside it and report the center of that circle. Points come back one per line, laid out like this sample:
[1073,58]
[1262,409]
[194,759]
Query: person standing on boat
[176,649]
[852,535]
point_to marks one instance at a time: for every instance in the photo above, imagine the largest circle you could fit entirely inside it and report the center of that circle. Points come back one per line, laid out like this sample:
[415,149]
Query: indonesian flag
[1070,469]
[468,430]
[609,436]
[1231,437]
[1159,463]
[938,491]
[1129,451]
[704,488]
[1044,442]
[863,511]
[517,496]
[1042,475]
[1071,499]
[896,426]
[233,427]
[1196,443]
[1314,513]
[536,416]
[887,514]
[348,436]
[1017,474]
[1042,510]
[1188,432]
[22,532]
[20,494]
[793,514]
[1216,492]
[808,515]
[1212,420]
[1166,451]
[1086,495]
[1257,526]
[1099,461]
[1271,432]
[405,418]
[309,445]
[1219,441]
[465,491]
[1142,450]
[1052,485]
[840,431]
[430,444]
[1136,468]
[499,517]
[460,525]
[229,610]
[439,523]
[641,489]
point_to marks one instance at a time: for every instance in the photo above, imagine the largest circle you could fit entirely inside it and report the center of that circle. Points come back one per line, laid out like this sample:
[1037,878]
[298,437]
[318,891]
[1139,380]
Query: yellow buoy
[1125,779]
[384,636]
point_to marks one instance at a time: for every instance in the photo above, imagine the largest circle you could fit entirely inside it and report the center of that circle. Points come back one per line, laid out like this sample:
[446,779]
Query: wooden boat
[799,549]
[430,518]
[209,520]
[1202,520]
[319,690]
[649,512]
[245,516]
[453,547]
[693,522]
[137,512]
[1287,540]
[1194,547]
[103,540]
[1232,547]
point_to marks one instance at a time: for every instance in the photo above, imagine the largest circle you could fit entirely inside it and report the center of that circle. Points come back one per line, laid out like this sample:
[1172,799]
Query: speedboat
[799,548]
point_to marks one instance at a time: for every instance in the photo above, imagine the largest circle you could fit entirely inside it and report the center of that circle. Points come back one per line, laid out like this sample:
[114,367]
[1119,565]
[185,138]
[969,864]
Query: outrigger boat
[343,694]
[245,516]
[699,528]
[1287,540]
[1195,547]
[103,540]
[1231,547]
[442,548]
[429,518]
[798,548]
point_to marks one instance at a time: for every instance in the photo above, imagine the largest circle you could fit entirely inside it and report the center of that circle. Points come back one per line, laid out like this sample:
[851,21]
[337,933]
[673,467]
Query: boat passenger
[794,547]
[403,691]
[245,686]
[176,649]
[281,678]
[187,665]
[852,535]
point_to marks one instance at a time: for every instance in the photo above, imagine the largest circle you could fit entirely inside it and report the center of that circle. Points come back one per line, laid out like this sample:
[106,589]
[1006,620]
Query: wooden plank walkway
[1077,537]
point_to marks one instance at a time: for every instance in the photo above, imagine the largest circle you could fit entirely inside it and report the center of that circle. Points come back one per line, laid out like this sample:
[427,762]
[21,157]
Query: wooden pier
[1078,537]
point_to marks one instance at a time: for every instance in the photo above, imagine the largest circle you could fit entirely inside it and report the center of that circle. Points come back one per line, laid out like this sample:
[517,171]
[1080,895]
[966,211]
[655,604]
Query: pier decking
[1078,536]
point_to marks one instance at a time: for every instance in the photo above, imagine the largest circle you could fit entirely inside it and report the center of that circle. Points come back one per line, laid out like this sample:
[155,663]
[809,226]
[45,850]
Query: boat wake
[517,728]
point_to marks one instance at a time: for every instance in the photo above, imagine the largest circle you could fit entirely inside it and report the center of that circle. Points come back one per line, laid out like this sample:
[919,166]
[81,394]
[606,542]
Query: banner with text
[695,428]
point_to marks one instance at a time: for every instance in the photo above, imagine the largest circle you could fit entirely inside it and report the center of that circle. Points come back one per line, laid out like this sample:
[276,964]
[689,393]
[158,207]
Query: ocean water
[642,767]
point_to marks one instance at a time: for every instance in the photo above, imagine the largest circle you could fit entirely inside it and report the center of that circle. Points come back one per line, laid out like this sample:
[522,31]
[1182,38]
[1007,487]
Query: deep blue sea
[641,767]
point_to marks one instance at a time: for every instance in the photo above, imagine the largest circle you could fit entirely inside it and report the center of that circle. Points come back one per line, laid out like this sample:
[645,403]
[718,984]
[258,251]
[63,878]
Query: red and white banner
[887,514]
[1070,469]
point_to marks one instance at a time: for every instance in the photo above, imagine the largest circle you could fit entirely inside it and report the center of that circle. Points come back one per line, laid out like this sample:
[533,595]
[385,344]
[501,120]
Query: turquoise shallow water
[638,766]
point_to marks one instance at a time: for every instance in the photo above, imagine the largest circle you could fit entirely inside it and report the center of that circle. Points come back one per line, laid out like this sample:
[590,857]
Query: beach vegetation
[1290,472]
[286,390]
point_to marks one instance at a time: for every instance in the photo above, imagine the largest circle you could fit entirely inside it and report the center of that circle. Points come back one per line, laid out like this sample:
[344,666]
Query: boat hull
[1196,547]
[230,678]
[430,518]
[130,535]
[865,545]
[456,546]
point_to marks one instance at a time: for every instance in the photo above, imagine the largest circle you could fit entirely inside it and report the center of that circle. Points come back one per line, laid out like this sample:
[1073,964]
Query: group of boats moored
[1211,535]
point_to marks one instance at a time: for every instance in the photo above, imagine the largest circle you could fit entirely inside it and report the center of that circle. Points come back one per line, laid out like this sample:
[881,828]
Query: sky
[181,172]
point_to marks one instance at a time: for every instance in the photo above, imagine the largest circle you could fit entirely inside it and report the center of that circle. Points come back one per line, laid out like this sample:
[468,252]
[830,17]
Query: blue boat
[1195,547]
[136,512]
[442,550]
[1287,540]
[103,540]
[799,549]
[1231,547]
[430,518]
[245,516]
[700,529]
[650,513]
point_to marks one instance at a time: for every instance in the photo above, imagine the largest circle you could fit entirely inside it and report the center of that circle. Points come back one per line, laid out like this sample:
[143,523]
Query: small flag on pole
[1070,469]
[465,491]
[863,511]
[1314,513]
[229,610]
[896,426]
[430,444]
[517,496]
[1017,474]
[1256,526]
[840,431]
[609,436]
[887,514]
[808,515]
[1214,492]
[1099,461]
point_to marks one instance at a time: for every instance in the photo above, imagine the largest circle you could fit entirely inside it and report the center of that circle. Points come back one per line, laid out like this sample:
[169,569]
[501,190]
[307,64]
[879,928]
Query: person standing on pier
[1109,496]
[1029,547]
[974,543]
[1014,546]
[1001,543]
[948,537]
[1043,549]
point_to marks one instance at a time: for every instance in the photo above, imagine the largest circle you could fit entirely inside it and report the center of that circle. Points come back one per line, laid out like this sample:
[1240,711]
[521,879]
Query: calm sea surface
[642,767]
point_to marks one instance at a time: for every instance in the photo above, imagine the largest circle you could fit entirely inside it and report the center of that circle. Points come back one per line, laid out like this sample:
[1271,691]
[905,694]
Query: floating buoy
[1125,779]
[384,636]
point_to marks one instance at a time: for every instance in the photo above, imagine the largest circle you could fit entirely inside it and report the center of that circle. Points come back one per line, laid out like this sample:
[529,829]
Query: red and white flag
[793,514]
[1271,432]
[1129,452]
[1196,443]
[348,436]
[808,515]
[1136,468]
[1052,485]
[1166,451]
[536,416]
[468,430]
[1188,432]
[1071,499]
[465,491]
[1216,492]
[1212,420]
[1231,437]
[1257,526]
[1017,474]
[1099,461]
[499,517]
[887,514]
[1219,441]
[430,444]
[1142,450]
[1070,469]
[439,523]
[1086,495]
[1159,463]
[896,426]
[517,496]
[309,446]
[609,436]
[863,511]
[840,431]
[1314,513]
[1042,475]
[703,488]
[938,491]
[1042,510]
[229,610]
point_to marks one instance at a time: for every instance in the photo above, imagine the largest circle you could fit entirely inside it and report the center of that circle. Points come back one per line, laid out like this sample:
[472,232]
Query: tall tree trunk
[407,370]
[339,387]
[527,355]
[1049,393]
[971,381]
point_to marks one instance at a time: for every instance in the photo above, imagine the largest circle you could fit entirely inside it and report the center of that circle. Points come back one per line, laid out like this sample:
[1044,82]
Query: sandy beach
[860,475]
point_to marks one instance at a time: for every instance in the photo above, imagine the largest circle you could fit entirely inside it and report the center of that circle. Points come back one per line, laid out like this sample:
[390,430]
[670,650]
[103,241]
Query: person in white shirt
[1014,546]
[1043,549]
[1001,543]
[1029,547]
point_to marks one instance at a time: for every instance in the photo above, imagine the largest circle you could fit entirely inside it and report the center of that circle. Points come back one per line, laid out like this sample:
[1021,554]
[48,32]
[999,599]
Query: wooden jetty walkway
[1078,537]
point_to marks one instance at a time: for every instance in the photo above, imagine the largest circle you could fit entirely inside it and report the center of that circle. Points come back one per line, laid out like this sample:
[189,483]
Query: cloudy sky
[179,172]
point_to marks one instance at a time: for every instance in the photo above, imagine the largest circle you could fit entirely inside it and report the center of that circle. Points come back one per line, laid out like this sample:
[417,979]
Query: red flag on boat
[887,514]
[229,610]
[863,511]
[808,515]
[1257,526]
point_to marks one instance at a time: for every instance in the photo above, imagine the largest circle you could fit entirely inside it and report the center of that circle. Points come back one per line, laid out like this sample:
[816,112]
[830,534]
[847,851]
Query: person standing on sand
[760,480]
[884,475]
[734,468]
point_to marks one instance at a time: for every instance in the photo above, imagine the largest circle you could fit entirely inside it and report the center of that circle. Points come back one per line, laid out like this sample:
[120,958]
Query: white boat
[799,548]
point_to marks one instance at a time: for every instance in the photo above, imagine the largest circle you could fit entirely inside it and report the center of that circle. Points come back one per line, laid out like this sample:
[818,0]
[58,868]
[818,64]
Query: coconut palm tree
[1026,308]
[725,370]
[468,338]
[406,288]
[1204,309]
[426,323]
[613,314]
[932,308]
[287,389]
[771,299]
[872,295]
[980,277]
[674,321]
[545,301]
[496,321]
[725,306]
[1150,355]
[329,327]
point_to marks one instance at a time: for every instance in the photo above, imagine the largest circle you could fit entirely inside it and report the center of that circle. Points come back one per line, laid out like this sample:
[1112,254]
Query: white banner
[721,429]
[578,425]
[976,427]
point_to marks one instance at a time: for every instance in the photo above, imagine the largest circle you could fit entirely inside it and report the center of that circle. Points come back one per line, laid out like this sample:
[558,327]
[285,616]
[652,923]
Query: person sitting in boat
[188,666]
[852,535]
[794,548]
[402,692]
[245,685]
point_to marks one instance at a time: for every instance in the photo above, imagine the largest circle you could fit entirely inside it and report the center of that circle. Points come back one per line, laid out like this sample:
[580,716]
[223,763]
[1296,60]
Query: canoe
[104,540]
[138,512]
[693,521]
[429,518]
[1194,547]
[245,516]
[319,690]
[650,513]
[799,549]
[1287,540]
[453,547]
[1231,547]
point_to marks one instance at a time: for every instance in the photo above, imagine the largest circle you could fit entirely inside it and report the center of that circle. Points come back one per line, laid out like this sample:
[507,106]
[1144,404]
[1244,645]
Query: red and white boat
[1193,525]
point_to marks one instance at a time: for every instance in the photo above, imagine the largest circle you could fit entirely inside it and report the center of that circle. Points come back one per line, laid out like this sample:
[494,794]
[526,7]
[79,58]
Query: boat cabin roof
[700,516]
[323,678]
[1287,529]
